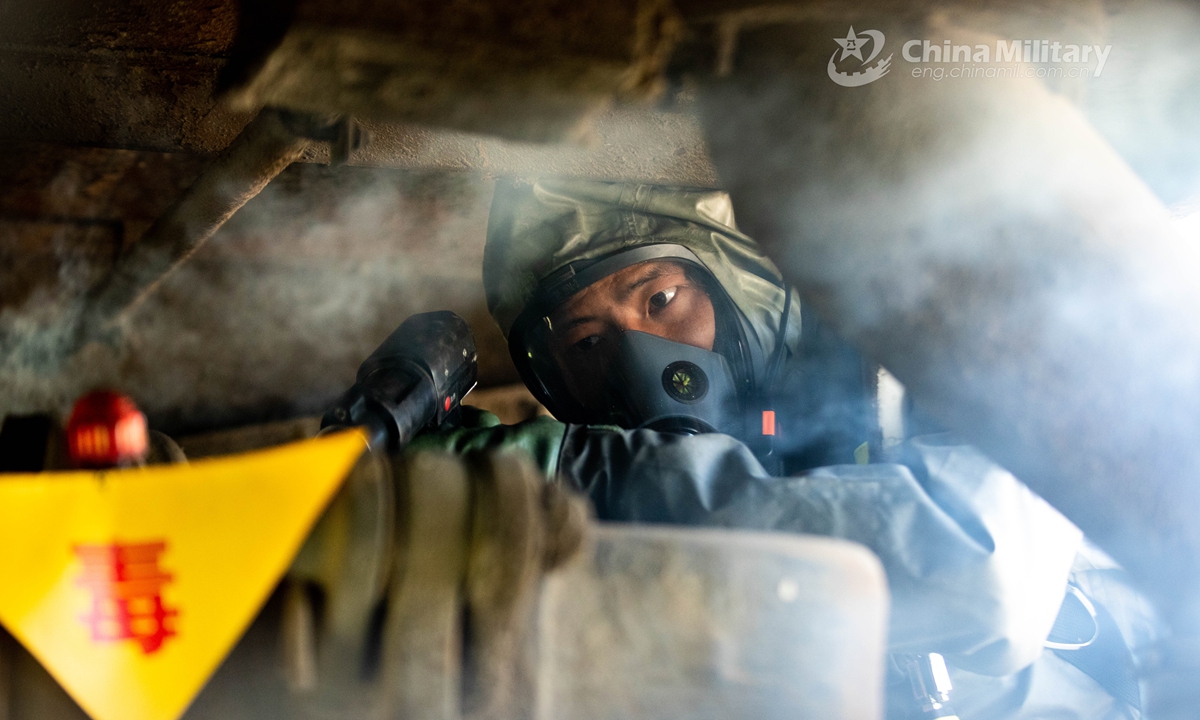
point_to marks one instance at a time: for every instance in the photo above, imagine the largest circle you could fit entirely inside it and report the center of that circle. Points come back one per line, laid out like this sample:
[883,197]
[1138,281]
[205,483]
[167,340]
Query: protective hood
[537,229]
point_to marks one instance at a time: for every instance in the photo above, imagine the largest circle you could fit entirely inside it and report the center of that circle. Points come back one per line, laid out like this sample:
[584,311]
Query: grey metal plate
[657,622]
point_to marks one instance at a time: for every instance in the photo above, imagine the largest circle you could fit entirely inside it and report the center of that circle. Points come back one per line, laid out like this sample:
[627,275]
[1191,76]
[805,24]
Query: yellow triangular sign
[131,586]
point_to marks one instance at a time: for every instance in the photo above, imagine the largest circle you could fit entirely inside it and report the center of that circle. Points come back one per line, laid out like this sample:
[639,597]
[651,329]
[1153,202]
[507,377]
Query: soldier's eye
[661,298]
[587,343]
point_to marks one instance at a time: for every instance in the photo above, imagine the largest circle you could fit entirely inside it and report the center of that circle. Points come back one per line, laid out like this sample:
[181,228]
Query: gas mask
[662,385]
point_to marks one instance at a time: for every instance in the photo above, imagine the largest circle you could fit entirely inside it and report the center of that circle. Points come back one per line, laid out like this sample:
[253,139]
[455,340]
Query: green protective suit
[977,564]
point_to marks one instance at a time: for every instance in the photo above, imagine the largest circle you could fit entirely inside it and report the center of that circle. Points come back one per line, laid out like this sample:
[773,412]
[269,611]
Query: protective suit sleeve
[977,564]
[541,437]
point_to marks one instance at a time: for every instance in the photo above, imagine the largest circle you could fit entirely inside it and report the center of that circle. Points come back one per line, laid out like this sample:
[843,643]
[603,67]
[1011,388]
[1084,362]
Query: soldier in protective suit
[665,343]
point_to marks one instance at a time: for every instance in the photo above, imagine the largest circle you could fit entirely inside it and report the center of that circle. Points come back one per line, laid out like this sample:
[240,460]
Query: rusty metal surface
[533,70]
[65,214]
[91,185]
[75,254]
[52,103]
[178,26]
[263,149]
[135,74]
[145,102]
[140,100]
[144,76]
[627,143]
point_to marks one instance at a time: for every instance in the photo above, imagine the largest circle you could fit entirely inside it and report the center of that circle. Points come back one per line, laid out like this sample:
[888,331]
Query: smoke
[271,318]
[991,248]
[1148,104]
[1014,265]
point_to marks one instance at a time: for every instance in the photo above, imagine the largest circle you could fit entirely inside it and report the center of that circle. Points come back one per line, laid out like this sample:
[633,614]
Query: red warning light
[106,429]
[447,405]
[768,425]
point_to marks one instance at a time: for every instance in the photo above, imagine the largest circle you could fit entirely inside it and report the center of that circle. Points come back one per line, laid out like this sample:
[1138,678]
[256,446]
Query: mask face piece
[662,385]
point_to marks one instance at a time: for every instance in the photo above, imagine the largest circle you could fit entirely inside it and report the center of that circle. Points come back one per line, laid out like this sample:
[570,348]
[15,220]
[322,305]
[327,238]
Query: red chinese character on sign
[126,584]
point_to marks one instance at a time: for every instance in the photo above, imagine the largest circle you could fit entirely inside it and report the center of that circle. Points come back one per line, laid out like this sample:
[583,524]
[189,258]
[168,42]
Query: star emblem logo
[852,45]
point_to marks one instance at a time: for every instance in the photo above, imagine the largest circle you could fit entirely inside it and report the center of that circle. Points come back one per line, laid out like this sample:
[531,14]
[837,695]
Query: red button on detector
[447,403]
